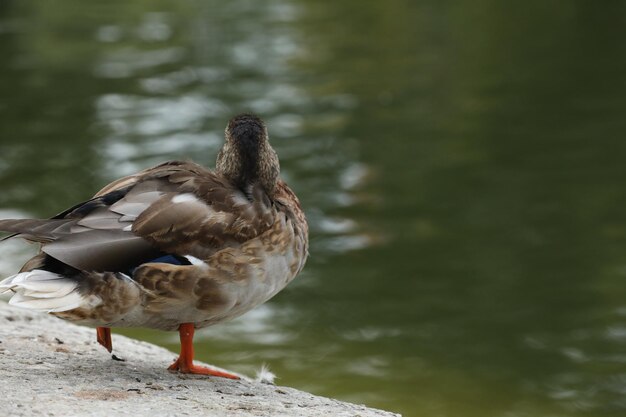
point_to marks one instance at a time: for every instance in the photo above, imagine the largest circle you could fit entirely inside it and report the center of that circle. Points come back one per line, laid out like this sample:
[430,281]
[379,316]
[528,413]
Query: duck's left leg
[104,337]
[184,363]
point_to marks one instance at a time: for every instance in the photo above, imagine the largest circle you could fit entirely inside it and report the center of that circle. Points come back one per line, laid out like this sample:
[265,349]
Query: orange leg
[184,363]
[104,337]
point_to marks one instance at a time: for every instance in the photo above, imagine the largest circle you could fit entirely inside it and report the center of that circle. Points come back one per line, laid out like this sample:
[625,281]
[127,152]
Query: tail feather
[49,305]
[8,237]
[43,291]
[49,292]
[34,229]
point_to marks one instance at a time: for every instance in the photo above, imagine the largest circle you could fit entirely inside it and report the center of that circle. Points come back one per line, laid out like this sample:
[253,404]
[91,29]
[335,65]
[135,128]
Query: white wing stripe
[184,198]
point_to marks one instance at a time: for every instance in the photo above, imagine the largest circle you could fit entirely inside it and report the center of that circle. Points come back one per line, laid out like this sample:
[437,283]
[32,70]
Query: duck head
[247,157]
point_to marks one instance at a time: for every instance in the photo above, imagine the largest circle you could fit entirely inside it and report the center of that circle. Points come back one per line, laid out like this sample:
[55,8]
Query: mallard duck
[173,247]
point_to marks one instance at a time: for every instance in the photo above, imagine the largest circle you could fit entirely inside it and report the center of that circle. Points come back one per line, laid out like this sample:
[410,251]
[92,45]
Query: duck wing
[175,208]
[92,236]
[205,214]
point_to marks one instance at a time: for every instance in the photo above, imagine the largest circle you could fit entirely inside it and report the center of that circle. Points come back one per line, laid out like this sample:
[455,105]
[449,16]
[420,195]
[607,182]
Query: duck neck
[245,163]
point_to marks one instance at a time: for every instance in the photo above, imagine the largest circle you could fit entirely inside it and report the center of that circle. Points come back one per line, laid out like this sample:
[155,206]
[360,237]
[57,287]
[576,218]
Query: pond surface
[461,165]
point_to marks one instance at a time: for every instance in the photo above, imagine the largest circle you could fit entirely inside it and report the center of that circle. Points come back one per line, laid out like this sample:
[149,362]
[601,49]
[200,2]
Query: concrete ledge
[52,368]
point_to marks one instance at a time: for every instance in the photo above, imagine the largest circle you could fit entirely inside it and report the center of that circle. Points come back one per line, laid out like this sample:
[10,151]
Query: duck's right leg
[184,363]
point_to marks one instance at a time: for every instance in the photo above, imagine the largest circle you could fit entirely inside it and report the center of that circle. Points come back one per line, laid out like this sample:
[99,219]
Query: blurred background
[461,165]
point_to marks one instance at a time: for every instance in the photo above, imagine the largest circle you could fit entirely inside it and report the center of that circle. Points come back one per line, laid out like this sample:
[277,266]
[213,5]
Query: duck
[175,247]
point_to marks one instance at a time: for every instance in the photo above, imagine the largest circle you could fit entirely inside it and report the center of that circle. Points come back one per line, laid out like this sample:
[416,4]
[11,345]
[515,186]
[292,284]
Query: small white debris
[265,376]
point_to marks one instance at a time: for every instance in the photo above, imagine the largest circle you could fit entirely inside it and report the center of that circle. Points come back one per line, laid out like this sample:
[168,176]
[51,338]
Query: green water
[461,165]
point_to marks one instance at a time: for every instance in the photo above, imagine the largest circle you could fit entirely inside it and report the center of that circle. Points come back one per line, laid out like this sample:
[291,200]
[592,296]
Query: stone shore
[49,367]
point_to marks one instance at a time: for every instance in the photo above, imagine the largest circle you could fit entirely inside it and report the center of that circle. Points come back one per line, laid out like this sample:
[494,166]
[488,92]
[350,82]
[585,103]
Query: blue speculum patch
[164,259]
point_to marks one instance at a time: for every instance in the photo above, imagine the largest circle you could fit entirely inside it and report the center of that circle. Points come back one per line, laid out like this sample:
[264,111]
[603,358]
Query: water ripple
[128,61]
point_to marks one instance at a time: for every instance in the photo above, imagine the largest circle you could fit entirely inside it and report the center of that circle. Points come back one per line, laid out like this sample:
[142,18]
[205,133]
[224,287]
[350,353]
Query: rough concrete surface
[49,367]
